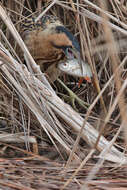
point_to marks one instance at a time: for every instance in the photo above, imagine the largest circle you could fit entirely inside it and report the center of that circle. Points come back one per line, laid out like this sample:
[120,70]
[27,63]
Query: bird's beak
[72,53]
[76,54]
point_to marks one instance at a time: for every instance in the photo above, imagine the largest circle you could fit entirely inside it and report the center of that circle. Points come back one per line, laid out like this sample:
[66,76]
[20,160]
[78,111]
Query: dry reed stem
[79,168]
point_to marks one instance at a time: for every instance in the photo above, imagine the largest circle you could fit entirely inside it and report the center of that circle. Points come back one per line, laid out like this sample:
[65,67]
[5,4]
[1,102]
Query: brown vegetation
[45,143]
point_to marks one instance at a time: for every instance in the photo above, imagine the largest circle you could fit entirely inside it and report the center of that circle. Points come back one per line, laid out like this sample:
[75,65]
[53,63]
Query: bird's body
[48,41]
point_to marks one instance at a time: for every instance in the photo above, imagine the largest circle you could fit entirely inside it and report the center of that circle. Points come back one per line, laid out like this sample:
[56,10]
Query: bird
[49,42]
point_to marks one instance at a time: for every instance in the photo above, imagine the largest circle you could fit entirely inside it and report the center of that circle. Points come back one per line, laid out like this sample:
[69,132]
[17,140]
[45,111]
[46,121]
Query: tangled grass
[33,111]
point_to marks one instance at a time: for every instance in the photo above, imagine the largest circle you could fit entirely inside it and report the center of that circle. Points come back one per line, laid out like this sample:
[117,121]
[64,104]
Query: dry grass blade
[16,138]
[54,1]
[79,168]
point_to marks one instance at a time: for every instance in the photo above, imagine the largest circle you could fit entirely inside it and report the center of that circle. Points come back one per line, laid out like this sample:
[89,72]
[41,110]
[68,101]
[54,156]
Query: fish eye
[65,64]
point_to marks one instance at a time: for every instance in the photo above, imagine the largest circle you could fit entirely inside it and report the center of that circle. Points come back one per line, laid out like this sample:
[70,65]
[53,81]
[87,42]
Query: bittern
[49,41]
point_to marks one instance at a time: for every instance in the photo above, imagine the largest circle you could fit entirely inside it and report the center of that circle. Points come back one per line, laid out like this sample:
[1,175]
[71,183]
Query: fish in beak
[72,53]
[72,67]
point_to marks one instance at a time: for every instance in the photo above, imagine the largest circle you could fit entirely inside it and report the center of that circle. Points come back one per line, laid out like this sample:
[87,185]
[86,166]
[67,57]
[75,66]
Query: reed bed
[49,141]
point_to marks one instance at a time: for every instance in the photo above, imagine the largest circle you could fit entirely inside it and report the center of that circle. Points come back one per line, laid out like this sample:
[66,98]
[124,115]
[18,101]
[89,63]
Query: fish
[72,67]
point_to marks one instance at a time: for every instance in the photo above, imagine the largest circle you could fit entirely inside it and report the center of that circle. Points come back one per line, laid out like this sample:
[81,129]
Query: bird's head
[65,40]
